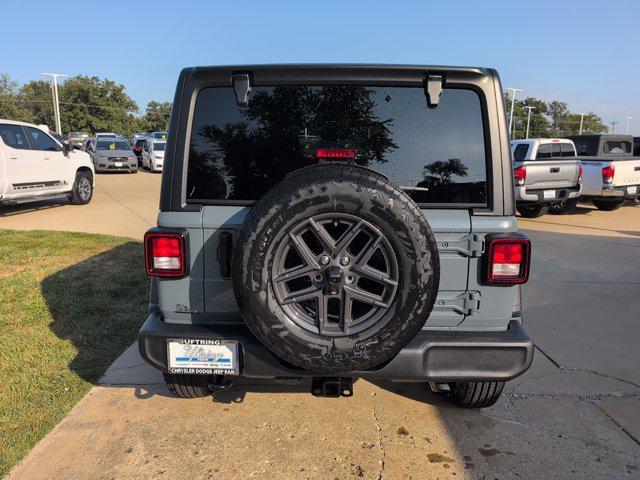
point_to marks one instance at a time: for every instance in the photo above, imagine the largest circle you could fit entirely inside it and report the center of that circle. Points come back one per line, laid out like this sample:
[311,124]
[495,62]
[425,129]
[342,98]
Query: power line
[68,103]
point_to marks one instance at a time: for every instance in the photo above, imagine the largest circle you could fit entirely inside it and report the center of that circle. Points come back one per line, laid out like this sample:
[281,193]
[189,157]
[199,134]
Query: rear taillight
[336,153]
[507,260]
[608,173]
[165,254]
[579,172]
[520,175]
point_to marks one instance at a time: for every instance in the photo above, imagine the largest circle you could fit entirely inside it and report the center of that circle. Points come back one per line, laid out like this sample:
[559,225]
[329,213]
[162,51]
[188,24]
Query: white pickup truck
[611,174]
[35,166]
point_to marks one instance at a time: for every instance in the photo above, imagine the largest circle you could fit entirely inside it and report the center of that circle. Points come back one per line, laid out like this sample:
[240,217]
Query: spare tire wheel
[335,269]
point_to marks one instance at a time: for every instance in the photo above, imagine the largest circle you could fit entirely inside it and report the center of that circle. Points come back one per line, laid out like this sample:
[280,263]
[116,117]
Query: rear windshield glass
[159,146]
[567,150]
[520,152]
[435,155]
[544,151]
[160,135]
[112,145]
[617,146]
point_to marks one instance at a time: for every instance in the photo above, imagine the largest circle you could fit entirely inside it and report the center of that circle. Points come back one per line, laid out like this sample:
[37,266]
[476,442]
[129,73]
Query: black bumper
[431,356]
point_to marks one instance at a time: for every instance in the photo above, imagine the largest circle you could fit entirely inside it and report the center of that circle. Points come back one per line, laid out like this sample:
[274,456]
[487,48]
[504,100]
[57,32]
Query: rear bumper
[627,191]
[435,356]
[524,194]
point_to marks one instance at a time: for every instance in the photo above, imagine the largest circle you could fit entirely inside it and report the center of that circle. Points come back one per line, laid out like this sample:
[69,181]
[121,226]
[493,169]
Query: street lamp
[56,100]
[581,119]
[528,120]
[626,132]
[513,102]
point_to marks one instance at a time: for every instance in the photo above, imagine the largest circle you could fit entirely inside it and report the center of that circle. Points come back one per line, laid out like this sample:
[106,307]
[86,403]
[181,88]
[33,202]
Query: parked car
[112,154]
[89,145]
[138,146]
[158,135]
[77,139]
[611,171]
[153,154]
[293,245]
[34,166]
[547,175]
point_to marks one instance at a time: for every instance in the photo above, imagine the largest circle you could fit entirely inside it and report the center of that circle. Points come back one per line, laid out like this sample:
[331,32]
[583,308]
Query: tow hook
[333,387]
[217,383]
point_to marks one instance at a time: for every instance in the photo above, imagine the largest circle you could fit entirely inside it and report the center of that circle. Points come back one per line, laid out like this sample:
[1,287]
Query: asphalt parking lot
[575,414]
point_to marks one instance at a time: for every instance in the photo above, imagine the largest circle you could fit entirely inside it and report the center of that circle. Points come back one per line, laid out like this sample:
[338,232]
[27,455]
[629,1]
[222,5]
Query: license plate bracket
[202,356]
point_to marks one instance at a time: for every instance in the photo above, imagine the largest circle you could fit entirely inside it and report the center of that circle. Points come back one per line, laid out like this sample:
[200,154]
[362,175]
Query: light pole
[528,120]
[626,132]
[513,102]
[56,100]
[581,119]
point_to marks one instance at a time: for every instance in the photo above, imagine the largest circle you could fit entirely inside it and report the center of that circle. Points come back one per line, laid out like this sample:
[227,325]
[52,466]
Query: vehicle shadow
[99,304]
[13,210]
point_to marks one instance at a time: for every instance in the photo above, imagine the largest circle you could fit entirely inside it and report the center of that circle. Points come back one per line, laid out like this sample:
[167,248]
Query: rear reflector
[336,153]
[165,254]
[507,260]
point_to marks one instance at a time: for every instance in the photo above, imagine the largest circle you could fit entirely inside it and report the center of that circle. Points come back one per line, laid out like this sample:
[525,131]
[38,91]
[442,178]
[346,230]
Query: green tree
[12,101]
[157,115]
[92,105]
[39,98]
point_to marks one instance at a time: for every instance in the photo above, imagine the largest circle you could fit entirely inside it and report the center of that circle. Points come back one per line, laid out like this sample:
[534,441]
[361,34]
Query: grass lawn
[70,304]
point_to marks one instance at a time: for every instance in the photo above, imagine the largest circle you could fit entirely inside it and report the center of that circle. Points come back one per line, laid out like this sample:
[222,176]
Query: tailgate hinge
[469,246]
[471,303]
[242,87]
[433,85]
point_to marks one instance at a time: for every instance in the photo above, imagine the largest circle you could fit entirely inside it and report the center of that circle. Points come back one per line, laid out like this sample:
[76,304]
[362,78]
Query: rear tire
[608,205]
[187,386]
[533,211]
[475,394]
[563,208]
[82,192]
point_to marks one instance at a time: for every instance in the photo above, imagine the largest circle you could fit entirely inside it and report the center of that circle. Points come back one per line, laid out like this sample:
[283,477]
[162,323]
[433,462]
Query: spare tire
[335,269]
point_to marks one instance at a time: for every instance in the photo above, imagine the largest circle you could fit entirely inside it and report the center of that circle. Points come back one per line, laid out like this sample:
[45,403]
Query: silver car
[77,139]
[112,154]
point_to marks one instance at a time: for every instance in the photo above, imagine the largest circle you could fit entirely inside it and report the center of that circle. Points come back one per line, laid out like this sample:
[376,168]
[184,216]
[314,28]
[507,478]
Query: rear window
[520,152]
[162,135]
[616,146]
[435,155]
[14,136]
[567,150]
[544,151]
[112,145]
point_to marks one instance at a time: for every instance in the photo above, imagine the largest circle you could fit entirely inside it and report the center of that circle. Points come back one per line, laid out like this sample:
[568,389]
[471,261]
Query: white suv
[153,154]
[34,166]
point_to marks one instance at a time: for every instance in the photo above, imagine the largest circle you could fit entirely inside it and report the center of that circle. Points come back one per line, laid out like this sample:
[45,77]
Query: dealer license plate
[632,190]
[549,194]
[211,357]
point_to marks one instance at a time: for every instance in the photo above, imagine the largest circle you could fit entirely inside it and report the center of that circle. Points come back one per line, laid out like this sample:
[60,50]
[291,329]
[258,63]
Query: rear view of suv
[334,222]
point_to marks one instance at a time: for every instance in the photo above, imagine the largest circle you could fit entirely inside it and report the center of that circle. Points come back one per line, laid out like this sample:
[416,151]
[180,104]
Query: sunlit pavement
[575,414]
[123,204]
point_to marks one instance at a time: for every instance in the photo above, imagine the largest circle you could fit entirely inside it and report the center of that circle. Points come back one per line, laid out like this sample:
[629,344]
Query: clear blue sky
[583,52]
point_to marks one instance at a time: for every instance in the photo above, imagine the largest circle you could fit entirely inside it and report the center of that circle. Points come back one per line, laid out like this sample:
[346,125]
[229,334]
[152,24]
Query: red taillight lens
[507,261]
[520,175]
[608,173]
[165,254]
[579,172]
[336,153]
[137,149]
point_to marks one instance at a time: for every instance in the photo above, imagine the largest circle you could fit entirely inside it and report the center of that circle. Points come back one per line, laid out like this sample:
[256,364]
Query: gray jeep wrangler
[332,222]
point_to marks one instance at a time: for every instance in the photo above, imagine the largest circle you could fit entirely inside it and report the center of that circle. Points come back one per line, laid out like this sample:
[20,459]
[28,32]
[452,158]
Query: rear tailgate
[553,173]
[627,172]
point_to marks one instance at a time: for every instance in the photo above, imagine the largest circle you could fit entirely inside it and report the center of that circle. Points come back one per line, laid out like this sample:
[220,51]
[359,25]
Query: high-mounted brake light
[520,175]
[165,254]
[608,173]
[336,153]
[507,260]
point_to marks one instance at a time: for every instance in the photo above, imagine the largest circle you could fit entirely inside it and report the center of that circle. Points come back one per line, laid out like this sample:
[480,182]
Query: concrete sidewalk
[123,204]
